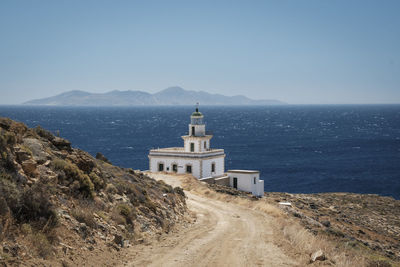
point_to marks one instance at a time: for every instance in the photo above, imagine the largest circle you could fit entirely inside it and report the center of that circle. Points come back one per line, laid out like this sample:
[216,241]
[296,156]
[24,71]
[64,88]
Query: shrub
[42,245]
[84,215]
[10,194]
[36,207]
[111,189]
[44,133]
[26,229]
[73,173]
[166,188]
[179,191]
[97,181]
[126,211]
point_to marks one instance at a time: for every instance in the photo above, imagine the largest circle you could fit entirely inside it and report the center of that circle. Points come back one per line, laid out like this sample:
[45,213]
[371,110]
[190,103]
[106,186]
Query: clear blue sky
[296,51]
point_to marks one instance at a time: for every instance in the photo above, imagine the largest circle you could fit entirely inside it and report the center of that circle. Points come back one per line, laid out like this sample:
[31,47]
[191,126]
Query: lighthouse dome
[197,117]
[197,113]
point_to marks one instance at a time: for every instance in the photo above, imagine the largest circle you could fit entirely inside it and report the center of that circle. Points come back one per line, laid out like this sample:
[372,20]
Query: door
[160,167]
[175,168]
[234,182]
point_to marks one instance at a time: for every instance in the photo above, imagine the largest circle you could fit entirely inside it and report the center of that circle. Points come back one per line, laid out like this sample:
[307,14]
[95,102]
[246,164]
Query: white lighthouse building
[196,157]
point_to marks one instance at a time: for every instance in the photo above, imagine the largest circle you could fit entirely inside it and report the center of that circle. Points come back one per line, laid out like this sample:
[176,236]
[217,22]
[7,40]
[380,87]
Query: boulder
[21,154]
[318,256]
[37,149]
[61,143]
[29,167]
[83,160]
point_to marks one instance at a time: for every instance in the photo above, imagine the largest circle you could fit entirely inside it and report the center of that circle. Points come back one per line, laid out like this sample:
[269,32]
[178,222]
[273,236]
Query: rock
[118,239]
[61,143]
[38,151]
[125,244]
[318,256]
[21,154]
[83,160]
[102,157]
[29,167]
[21,177]
[326,223]
[313,206]
[122,227]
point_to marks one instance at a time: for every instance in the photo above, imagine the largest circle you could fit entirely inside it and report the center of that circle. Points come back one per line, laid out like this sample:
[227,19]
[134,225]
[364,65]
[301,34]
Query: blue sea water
[298,149]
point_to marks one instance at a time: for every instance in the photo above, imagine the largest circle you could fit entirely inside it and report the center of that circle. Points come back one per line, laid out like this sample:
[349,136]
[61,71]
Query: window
[213,167]
[205,145]
[191,147]
[193,132]
[175,168]
[254,180]
[160,167]
[189,168]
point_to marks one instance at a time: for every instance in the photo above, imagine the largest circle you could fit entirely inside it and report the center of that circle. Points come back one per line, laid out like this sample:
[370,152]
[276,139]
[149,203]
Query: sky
[299,52]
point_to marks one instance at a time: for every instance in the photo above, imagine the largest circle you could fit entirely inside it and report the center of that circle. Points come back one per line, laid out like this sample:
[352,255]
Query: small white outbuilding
[246,180]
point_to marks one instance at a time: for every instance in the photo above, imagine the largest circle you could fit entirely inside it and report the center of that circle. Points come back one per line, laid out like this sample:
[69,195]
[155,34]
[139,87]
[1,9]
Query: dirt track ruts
[224,234]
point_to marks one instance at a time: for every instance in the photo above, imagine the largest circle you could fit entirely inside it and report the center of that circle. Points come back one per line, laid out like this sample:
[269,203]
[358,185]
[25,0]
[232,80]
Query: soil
[223,234]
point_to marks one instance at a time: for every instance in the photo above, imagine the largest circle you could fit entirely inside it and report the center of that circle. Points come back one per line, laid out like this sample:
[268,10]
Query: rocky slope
[368,224]
[364,222]
[61,206]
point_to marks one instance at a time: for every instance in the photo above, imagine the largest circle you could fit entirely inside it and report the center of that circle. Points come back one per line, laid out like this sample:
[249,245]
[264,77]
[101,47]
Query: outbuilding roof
[243,171]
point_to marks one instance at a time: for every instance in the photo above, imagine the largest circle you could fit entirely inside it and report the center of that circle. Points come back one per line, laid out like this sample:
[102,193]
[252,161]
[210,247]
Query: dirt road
[224,234]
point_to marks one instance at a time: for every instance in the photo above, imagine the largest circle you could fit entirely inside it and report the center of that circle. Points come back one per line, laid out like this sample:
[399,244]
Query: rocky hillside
[61,206]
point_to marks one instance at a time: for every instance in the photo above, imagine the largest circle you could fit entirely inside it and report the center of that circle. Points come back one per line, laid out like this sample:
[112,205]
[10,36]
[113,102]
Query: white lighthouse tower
[196,157]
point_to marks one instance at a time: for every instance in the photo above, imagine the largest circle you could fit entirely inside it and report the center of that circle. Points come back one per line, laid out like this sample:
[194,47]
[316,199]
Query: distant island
[169,96]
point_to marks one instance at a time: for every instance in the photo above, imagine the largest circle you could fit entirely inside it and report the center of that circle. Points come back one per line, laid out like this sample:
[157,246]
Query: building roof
[197,114]
[243,171]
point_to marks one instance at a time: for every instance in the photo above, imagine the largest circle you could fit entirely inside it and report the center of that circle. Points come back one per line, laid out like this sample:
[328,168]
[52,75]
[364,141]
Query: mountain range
[169,96]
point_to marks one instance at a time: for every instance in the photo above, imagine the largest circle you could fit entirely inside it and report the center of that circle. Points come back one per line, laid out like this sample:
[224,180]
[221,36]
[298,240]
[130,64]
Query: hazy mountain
[169,96]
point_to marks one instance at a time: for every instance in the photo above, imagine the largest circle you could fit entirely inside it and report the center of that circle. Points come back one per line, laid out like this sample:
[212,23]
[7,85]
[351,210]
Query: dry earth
[224,234]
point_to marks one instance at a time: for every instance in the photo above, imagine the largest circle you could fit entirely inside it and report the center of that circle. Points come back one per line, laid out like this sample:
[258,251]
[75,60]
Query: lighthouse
[196,157]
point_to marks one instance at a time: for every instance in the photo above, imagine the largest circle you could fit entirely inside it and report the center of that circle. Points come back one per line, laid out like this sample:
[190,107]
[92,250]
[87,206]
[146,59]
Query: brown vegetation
[55,199]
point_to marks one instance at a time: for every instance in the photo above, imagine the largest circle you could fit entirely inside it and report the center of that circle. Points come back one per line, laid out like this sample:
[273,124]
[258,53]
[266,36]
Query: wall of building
[245,182]
[168,162]
[219,166]
[198,143]
[196,165]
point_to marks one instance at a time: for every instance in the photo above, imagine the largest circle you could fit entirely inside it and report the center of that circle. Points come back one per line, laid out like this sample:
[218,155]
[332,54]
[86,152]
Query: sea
[297,148]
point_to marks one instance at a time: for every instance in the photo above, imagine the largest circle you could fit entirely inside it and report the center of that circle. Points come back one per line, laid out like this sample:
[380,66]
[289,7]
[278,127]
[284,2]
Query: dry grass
[303,241]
